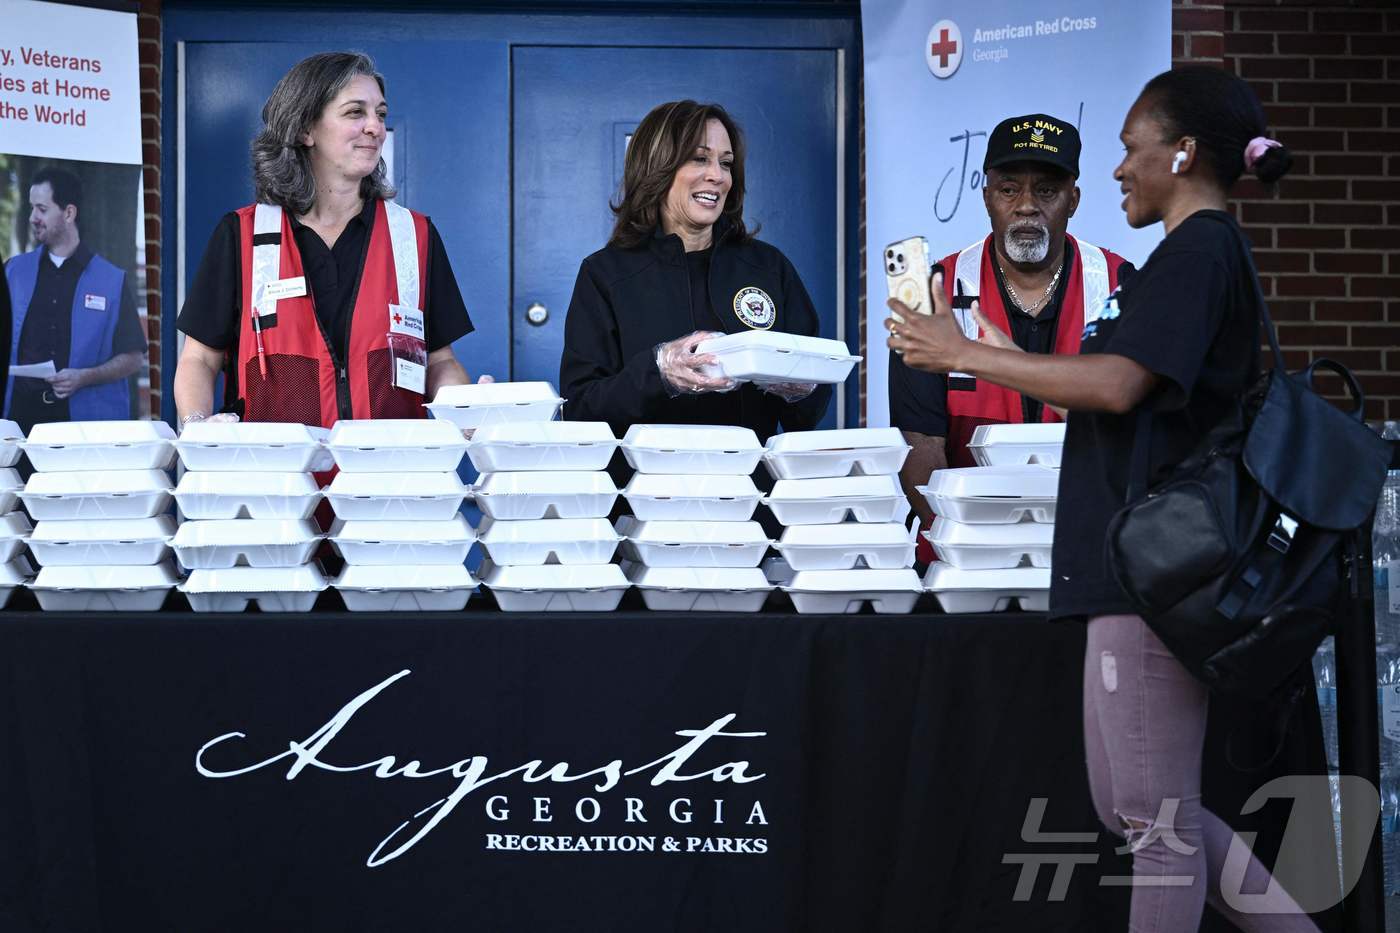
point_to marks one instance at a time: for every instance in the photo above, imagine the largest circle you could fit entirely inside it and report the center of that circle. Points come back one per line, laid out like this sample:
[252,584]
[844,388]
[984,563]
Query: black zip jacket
[626,301]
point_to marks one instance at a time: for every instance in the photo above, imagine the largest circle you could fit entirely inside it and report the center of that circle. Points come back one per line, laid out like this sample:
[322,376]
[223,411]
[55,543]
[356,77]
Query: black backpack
[1237,560]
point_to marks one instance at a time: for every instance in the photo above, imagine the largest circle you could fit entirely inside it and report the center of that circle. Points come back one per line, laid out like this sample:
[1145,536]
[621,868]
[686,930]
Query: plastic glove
[483,379]
[686,372]
[222,417]
[791,391]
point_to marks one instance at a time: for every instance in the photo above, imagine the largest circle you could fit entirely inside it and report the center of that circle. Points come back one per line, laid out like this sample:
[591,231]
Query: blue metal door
[573,108]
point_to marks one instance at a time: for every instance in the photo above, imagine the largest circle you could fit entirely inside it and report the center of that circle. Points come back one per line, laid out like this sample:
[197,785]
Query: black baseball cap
[1036,137]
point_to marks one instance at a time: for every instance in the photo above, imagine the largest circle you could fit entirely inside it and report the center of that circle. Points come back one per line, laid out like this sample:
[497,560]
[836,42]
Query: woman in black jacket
[679,267]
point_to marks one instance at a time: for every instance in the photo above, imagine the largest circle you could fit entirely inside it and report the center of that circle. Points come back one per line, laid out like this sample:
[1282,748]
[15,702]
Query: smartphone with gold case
[906,274]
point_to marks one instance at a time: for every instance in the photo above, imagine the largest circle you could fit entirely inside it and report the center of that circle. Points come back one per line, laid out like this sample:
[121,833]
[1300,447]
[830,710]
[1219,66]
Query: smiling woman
[324,300]
[681,266]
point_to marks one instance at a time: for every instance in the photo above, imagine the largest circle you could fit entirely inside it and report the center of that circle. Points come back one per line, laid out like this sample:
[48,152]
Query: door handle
[537,314]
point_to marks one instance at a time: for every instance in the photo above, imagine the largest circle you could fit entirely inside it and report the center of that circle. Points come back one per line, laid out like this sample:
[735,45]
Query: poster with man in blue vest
[75,336]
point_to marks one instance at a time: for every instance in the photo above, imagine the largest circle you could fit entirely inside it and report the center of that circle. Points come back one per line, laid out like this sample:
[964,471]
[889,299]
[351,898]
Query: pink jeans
[1144,727]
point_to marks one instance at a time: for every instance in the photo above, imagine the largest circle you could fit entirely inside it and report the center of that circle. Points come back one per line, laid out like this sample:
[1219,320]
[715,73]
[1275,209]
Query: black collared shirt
[48,334]
[214,300]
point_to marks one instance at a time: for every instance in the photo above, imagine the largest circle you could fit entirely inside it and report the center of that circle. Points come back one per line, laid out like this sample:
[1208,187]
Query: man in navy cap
[1036,287]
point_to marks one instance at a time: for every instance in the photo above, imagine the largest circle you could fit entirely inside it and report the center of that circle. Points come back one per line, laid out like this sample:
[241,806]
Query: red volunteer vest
[1093,275]
[302,383]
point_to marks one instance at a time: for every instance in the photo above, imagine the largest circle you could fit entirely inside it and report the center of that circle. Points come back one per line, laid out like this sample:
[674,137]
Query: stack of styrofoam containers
[691,542]
[100,496]
[246,501]
[545,497]
[397,500]
[838,495]
[996,520]
[15,570]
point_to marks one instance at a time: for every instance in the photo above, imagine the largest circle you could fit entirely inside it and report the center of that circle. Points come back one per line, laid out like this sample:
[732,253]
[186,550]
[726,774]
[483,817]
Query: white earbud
[1177,159]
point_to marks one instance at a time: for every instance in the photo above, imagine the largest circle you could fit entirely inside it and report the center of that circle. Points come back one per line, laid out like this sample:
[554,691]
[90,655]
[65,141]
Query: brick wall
[1326,239]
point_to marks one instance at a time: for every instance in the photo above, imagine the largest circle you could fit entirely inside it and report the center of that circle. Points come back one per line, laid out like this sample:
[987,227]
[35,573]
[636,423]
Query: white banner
[939,76]
[69,83]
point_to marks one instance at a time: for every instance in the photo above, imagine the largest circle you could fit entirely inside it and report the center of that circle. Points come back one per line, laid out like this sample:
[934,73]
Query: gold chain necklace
[1016,299]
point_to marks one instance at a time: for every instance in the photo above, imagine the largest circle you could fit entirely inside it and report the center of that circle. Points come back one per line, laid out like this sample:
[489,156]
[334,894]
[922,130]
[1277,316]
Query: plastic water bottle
[1385,552]
[1325,671]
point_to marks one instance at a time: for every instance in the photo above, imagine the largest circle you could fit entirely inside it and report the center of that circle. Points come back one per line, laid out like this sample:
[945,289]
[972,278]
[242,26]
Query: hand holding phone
[907,274]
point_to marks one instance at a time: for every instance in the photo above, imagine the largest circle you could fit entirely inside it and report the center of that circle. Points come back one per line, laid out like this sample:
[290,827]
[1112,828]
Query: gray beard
[1020,251]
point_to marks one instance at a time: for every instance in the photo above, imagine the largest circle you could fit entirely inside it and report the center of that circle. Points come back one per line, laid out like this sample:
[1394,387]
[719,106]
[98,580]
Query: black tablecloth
[898,759]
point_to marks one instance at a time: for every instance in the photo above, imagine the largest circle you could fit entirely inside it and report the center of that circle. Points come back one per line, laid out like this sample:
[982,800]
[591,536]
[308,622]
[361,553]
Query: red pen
[257,333]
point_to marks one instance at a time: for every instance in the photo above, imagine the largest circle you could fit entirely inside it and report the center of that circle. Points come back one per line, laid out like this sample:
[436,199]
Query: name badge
[407,321]
[972,331]
[285,288]
[95,302]
[411,376]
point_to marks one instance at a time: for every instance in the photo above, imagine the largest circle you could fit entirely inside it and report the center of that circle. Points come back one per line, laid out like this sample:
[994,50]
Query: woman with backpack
[1179,339]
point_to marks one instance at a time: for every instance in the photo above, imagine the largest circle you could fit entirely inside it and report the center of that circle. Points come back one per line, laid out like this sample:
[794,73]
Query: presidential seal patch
[754,307]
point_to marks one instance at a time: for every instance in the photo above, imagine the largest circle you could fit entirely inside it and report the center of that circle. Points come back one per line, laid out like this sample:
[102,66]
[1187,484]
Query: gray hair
[281,163]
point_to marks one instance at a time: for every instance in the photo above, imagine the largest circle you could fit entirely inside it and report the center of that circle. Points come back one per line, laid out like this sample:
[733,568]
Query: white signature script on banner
[474,772]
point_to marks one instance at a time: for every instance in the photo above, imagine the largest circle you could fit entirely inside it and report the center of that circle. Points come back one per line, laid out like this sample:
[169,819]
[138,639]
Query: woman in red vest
[323,300]
[1180,339]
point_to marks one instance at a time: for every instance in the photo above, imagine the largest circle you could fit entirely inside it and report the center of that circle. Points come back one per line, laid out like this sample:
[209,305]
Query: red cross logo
[398,318]
[943,48]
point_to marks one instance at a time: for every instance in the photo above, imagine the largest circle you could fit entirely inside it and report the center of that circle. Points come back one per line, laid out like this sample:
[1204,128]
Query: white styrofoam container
[764,356]
[260,543]
[830,500]
[261,446]
[542,445]
[391,445]
[884,546]
[995,495]
[843,591]
[14,533]
[482,404]
[844,452]
[1013,444]
[545,494]
[683,497]
[11,443]
[105,542]
[693,544]
[404,544]
[275,589]
[691,448]
[207,495]
[399,588]
[13,575]
[991,547]
[10,488]
[555,587]
[101,445]
[777,570]
[96,589]
[548,540]
[416,497]
[988,590]
[97,494]
[690,589]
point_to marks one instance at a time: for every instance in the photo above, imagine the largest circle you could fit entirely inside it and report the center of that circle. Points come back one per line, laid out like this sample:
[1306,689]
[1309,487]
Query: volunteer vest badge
[754,307]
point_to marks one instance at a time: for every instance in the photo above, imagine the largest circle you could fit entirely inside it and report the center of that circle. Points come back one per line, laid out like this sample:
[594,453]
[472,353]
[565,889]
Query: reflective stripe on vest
[305,382]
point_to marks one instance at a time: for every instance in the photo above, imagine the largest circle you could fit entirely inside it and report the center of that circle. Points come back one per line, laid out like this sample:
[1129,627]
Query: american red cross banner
[940,75]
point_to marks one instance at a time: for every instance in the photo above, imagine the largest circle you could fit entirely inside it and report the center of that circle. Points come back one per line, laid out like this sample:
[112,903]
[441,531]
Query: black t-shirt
[215,297]
[48,334]
[919,400]
[1188,316]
